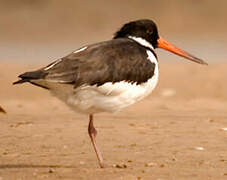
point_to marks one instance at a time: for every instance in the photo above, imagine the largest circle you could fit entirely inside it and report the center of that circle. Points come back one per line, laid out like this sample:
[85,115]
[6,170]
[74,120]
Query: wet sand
[178,132]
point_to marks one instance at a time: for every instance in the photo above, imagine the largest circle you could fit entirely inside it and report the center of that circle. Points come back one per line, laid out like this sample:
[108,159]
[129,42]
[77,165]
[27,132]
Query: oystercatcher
[107,76]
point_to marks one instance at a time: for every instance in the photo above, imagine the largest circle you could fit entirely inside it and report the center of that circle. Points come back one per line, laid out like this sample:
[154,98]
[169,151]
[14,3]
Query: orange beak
[162,43]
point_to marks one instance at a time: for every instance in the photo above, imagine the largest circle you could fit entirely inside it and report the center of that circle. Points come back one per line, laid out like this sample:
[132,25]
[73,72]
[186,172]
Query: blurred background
[43,30]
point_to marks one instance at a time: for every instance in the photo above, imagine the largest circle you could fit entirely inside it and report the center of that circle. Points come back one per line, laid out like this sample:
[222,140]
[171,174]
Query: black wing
[111,61]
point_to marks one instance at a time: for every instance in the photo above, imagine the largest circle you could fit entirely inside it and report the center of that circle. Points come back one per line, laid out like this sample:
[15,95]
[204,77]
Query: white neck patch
[141,41]
[81,49]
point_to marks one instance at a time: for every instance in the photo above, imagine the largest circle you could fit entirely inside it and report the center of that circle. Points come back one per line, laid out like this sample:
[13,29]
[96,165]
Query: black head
[144,28]
[147,30]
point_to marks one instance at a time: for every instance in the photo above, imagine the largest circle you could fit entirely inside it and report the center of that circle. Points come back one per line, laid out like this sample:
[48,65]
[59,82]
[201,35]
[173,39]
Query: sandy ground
[177,133]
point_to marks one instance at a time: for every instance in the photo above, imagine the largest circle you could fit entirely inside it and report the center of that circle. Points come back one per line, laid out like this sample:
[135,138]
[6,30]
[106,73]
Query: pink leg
[92,133]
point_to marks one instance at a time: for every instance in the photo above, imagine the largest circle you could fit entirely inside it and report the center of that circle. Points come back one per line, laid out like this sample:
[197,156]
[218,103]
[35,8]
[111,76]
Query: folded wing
[111,61]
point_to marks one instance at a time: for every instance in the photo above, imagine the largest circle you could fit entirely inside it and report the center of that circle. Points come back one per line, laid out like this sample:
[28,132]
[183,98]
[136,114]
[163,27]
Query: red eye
[149,31]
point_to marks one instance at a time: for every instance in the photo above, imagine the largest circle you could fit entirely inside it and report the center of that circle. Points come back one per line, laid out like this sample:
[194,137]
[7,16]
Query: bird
[2,110]
[107,76]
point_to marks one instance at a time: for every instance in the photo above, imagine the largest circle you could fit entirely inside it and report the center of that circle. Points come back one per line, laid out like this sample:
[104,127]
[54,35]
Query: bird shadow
[11,166]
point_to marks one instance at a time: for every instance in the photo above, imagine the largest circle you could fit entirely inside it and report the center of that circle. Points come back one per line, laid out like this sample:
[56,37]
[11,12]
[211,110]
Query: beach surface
[178,132]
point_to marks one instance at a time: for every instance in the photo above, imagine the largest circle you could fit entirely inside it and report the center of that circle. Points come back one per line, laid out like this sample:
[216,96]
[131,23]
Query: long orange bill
[162,43]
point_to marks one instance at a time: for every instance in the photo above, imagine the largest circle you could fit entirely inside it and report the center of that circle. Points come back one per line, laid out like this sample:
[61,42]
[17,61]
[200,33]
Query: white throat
[141,41]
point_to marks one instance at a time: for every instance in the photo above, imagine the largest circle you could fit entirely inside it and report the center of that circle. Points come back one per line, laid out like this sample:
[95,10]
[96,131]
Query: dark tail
[28,76]
[20,81]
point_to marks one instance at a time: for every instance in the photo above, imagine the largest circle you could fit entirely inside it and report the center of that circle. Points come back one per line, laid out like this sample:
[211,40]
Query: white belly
[109,97]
